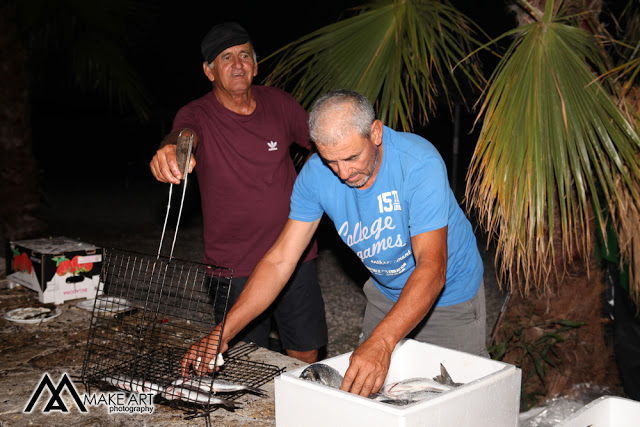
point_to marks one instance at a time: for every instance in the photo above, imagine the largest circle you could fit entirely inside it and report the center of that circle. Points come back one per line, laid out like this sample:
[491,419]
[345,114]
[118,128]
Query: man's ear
[207,71]
[376,132]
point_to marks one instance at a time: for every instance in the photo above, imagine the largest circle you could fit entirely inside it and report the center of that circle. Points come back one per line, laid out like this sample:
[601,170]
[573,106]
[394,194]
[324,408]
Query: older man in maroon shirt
[242,133]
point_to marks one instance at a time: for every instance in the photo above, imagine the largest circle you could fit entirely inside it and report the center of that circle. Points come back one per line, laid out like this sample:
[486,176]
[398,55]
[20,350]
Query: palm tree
[555,135]
[624,47]
[555,151]
[88,38]
[387,53]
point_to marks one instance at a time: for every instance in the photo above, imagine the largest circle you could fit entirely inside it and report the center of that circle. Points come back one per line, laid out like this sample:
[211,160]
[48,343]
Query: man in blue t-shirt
[388,196]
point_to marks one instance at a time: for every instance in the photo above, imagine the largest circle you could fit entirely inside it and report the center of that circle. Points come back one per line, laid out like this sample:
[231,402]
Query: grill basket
[148,312]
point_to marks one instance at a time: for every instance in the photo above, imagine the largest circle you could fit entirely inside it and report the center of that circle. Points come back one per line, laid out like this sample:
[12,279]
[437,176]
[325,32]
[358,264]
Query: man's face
[233,69]
[355,160]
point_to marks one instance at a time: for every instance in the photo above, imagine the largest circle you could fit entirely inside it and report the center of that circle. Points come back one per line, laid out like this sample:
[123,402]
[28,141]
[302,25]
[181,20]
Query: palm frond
[624,48]
[400,54]
[551,138]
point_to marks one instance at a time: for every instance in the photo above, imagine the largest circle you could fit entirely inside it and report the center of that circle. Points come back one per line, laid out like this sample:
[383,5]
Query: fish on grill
[133,385]
[210,385]
[194,396]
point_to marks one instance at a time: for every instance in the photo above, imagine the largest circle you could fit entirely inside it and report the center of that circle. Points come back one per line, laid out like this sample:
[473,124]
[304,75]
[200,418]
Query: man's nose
[344,172]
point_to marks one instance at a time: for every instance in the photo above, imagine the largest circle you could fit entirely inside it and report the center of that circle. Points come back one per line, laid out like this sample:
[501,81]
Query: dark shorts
[298,313]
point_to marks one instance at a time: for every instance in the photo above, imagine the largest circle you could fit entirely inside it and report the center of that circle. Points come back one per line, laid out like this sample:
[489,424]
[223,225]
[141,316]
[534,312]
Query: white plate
[18,314]
[105,305]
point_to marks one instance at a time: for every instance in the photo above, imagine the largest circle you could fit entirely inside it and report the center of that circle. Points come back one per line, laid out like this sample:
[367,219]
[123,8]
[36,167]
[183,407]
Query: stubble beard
[366,177]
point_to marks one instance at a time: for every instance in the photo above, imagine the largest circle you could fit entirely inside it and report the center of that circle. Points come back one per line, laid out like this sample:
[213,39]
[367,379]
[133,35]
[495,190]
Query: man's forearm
[415,301]
[172,138]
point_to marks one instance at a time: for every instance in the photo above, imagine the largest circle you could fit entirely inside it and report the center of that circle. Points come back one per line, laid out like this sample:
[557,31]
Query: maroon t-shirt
[245,173]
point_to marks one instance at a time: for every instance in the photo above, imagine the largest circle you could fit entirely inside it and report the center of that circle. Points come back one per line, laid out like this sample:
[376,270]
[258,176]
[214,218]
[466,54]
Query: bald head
[337,114]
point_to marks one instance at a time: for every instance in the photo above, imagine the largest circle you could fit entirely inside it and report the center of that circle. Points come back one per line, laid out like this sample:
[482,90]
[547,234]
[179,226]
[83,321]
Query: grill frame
[147,313]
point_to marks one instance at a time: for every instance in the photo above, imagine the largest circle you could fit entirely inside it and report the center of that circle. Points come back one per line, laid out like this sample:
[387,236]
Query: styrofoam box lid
[480,376]
[606,411]
[55,245]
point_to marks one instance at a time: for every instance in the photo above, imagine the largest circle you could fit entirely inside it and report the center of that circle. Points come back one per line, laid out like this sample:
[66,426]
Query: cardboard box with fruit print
[58,268]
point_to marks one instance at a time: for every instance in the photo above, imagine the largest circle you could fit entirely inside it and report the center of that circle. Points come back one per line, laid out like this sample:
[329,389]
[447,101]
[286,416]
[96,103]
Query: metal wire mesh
[148,311]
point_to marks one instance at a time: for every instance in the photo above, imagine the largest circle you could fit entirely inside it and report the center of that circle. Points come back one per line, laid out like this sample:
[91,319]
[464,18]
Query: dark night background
[78,138]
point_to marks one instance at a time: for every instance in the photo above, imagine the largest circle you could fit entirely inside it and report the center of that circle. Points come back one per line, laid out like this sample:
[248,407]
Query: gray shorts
[459,327]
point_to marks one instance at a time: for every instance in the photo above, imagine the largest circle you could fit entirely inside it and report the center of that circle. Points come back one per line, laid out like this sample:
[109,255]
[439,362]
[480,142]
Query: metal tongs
[183,156]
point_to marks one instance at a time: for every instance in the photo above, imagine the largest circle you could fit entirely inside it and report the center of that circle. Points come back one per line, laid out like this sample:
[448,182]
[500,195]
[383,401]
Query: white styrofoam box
[490,395]
[606,411]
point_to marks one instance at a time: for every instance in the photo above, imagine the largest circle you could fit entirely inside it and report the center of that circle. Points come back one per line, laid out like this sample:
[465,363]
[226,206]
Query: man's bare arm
[369,363]
[264,285]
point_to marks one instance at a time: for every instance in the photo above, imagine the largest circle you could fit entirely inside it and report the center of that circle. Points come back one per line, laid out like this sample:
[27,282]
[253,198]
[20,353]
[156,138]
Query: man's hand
[201,355]
[164,165]
[368,367]
[369,364]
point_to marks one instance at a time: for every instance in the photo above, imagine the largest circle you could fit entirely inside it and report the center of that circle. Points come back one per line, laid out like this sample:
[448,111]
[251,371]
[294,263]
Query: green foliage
[552,136]
[536,347]
[400,54]
[624,47]
[553,131]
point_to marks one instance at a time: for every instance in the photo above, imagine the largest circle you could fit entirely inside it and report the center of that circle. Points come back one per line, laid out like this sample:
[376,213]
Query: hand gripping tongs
[183,155]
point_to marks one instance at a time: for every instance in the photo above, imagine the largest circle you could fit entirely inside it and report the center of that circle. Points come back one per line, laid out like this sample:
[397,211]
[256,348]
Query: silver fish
[396,402]
[134,385]
[193,396]
[323,374]
[217,385]
[416,389]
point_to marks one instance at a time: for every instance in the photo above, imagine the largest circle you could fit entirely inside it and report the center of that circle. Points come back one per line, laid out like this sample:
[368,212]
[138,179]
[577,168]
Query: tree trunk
[585,356]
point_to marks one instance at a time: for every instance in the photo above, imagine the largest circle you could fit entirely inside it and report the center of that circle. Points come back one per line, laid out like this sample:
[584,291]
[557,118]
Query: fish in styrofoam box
[606,411]
[58,268]
[489,395]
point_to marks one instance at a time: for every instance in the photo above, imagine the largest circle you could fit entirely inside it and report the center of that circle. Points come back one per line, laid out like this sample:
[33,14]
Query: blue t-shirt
[411,195]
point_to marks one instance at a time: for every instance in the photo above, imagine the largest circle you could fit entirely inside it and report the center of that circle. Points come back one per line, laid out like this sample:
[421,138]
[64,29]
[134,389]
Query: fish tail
[226,402]
[257,391]
[444,377]
[445,373]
